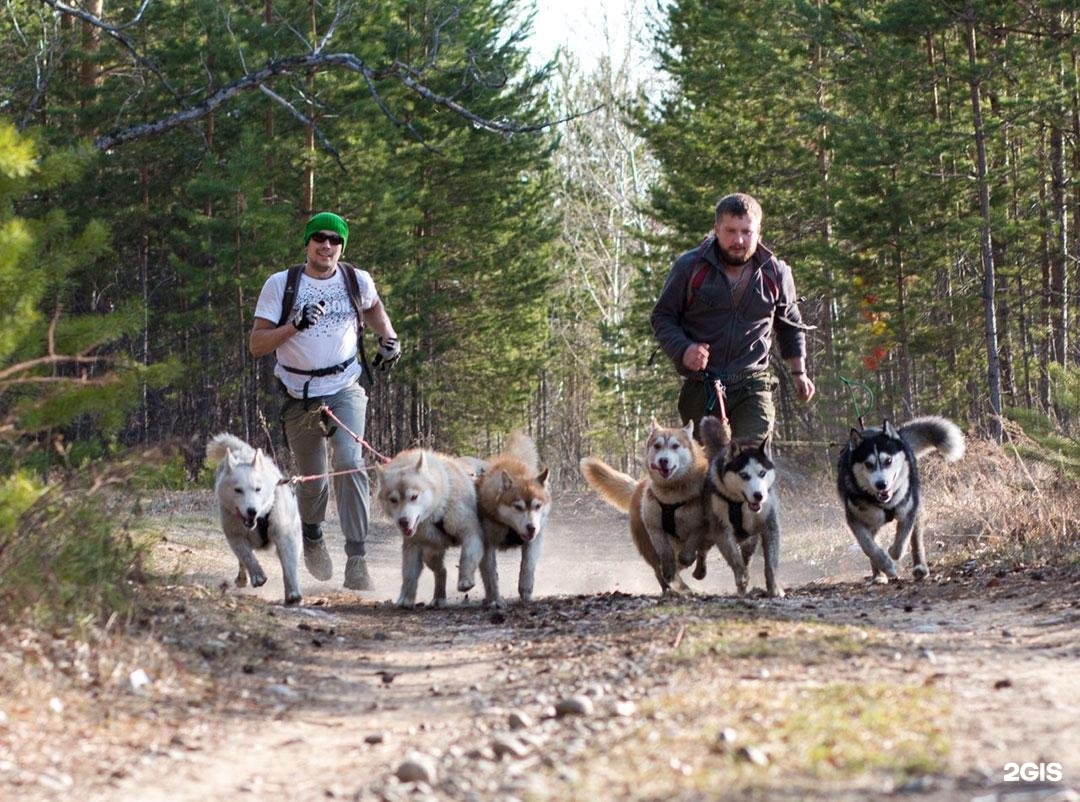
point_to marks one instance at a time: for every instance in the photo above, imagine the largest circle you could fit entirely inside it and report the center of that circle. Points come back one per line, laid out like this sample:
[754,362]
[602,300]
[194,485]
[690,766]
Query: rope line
[325,410]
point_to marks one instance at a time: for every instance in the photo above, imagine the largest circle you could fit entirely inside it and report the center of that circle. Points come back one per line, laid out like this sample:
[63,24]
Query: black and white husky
[743,504]
[878,481]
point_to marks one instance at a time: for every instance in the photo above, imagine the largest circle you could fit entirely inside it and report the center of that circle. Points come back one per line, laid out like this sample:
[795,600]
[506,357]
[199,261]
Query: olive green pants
[748,401]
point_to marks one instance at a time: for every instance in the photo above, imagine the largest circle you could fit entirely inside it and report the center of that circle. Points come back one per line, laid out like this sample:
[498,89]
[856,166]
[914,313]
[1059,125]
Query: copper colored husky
[667,507]
[514,501]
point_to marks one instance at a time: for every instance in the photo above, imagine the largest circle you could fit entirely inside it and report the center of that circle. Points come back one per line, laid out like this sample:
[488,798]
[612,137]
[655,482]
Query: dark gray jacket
[739,338]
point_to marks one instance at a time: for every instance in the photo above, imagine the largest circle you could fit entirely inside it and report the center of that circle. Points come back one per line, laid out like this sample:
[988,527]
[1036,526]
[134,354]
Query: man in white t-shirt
[316,351]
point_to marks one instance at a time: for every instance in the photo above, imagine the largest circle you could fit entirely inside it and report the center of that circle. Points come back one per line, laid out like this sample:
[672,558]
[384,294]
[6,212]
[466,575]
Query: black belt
[330,371]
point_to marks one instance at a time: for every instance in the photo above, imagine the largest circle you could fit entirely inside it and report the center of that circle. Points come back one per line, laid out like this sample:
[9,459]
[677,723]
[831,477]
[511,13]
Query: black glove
[309,315]
[389,352]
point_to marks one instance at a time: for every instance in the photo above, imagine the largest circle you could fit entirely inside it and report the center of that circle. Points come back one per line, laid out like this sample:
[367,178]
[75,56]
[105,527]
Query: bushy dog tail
[934,433]
[615,487]
[220,444]
[522,448]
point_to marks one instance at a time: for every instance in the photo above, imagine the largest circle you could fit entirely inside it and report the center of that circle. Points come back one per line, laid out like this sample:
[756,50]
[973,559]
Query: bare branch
[95,21]
[299,115]
[52,359]
[114,31]
[299,64]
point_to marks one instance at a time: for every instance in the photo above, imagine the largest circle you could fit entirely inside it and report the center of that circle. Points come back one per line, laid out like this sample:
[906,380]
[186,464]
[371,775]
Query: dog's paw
[465,585]
[258,580]
[241,579]
[292,599]
[439,602]
[699,570]
[777,593]
[404,603]
[920,571]
[879,579]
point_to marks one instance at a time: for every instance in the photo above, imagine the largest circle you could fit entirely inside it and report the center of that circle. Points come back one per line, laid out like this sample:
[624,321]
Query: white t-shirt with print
[330,341]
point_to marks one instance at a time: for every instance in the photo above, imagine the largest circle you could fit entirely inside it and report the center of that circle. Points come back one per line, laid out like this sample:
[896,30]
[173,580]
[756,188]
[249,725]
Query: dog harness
[667,514]
[734,516]
[441,526]
[262,526]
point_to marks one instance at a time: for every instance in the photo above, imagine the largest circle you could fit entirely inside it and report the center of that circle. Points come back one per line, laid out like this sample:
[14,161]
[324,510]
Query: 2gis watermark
[1033,772]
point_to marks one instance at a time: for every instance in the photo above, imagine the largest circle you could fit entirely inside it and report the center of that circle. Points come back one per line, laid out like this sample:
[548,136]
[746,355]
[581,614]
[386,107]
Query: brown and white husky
[668,507]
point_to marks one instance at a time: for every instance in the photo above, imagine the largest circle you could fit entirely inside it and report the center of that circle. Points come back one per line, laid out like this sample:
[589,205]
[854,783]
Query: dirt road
[598,690]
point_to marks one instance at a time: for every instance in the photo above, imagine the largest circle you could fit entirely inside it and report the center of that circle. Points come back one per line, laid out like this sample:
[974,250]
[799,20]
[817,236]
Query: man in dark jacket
[716,317]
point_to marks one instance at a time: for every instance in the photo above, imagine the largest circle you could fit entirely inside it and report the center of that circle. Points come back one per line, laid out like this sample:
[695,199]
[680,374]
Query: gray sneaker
[316,558]
[356,574]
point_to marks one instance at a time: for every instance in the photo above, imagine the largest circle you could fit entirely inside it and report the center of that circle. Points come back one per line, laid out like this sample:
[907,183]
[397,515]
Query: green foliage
[1043,441]
[18,491]
[68,560]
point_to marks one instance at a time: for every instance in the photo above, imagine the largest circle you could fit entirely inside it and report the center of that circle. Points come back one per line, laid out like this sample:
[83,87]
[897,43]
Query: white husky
[256,511]
[432,499]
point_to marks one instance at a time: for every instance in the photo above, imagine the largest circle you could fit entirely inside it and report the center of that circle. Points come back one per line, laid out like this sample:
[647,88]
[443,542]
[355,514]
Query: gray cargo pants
[309,448]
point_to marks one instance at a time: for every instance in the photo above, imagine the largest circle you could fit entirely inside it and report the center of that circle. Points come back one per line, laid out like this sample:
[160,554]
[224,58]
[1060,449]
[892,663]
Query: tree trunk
[989,286]
[309,143]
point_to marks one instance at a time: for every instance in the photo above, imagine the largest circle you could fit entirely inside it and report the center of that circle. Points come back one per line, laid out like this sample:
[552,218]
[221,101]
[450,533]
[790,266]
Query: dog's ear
[655,424]
[231,458]
[855,438]
[507,480]
[890,430]
[765,449]
[732,450]
[256,460]
[542,478]
[421,462]
[689,428]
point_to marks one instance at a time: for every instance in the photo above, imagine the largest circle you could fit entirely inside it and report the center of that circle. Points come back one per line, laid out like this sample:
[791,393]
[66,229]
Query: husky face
[524,504]
[878,462]
[669,451]
[747,472]
[407,496]
[247,488]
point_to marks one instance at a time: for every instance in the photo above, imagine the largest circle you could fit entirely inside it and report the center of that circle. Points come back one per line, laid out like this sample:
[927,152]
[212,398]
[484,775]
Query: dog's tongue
[250,524]
[665,472]
[884,495]
[754,505]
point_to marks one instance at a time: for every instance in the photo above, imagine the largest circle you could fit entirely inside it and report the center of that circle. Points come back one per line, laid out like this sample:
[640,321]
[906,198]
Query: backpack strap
[352,285]
[292,284]
[701,270]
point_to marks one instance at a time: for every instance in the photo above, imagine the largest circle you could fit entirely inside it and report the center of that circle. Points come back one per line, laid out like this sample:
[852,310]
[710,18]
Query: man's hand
[696,357]
[309,315]
[804,387]
[389,352]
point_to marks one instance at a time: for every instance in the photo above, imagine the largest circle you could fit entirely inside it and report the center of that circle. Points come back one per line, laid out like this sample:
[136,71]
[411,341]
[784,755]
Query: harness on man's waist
[341,367]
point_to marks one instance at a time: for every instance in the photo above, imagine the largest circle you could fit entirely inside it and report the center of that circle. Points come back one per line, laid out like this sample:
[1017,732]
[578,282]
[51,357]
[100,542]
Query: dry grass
[794,692]
[994,504]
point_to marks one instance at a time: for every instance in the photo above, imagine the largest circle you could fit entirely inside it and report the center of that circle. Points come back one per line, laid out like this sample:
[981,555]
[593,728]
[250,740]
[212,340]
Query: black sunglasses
[333,239]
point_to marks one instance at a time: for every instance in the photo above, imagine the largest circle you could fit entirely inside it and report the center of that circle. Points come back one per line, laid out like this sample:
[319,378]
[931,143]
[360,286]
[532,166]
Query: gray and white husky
[432,499]
[743,503]
[256,511]
[878,481]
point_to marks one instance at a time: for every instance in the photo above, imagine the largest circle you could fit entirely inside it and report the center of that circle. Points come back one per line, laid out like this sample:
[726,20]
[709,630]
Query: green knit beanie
[327,221]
